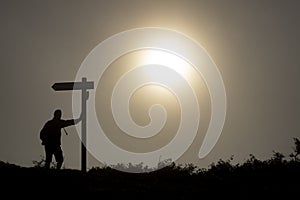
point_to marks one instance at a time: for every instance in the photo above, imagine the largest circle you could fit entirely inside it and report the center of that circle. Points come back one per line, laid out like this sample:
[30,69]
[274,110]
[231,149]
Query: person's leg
[48,152]
[58,157]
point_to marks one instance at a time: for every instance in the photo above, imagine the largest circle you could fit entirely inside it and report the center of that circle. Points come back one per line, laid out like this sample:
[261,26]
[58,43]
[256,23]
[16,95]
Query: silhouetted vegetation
[274,177]
[41,163]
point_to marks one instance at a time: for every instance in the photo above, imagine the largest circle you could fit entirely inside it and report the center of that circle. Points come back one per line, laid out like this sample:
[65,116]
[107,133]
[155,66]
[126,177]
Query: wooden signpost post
[84,85]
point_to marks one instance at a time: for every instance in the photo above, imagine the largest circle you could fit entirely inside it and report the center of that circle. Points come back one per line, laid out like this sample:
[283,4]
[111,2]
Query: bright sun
[167,59]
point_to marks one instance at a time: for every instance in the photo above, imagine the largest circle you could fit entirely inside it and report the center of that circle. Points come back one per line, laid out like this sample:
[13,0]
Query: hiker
[51,137]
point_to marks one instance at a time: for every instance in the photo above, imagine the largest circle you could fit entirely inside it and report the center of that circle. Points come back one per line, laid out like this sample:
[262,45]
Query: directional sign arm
[63,86]
[73,86]
[83,85]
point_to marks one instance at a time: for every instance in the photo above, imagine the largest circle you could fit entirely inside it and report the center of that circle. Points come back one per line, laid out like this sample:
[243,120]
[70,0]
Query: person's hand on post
[79,119]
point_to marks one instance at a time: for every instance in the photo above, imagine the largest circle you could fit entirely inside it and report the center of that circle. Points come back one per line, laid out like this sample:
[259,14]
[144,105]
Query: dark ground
[254,179]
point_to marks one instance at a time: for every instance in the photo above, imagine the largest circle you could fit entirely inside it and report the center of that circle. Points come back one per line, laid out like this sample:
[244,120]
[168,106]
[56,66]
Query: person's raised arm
[65,123]
[76,121]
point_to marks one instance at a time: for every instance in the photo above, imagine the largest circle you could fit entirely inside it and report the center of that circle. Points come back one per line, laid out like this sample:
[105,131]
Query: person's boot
[47,165]
[58,165]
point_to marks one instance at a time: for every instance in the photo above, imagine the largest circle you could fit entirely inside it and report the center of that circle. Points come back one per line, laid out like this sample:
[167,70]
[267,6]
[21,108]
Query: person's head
[57,114]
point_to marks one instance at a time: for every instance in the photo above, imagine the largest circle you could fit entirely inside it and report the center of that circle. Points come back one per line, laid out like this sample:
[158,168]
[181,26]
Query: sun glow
[167,59]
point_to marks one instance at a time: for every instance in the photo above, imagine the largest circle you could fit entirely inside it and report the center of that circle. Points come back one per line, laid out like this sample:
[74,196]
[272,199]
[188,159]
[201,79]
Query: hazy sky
[255,44]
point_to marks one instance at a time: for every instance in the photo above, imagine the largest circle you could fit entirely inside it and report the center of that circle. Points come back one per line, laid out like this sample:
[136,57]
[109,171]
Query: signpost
[84,85]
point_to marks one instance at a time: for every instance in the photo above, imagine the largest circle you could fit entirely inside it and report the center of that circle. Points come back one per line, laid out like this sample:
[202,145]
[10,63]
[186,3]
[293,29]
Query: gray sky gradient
[255,44]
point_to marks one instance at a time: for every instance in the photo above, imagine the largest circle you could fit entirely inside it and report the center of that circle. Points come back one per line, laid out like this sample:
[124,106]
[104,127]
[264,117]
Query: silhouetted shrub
[277,158]
[294,155]
[222,167]
[250,179]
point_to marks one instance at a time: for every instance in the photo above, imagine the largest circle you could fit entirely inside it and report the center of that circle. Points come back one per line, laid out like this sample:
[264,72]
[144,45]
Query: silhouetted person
[51,137]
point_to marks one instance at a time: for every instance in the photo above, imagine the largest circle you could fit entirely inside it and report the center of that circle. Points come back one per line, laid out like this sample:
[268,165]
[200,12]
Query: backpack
[44,134]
